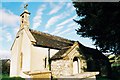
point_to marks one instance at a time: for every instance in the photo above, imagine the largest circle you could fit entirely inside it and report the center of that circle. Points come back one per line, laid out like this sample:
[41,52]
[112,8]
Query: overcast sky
[55,18]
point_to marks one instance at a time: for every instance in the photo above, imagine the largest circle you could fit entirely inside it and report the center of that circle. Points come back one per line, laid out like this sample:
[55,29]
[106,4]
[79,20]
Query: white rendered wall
[14,59]
[38,58]
[26,50]
[53,52]
[22,45]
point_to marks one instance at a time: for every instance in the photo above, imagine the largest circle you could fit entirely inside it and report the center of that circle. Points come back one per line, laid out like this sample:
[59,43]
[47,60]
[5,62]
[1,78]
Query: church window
[21,60]
[45,62]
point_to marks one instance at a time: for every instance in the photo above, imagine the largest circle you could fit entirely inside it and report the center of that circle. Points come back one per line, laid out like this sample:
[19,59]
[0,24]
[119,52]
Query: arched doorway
[76,65]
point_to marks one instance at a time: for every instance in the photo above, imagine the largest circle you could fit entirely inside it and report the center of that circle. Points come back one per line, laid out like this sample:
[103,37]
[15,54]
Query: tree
[101,23]
[5,66]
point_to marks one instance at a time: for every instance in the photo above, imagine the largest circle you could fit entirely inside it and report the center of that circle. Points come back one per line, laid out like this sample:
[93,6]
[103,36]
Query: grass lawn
[6,77]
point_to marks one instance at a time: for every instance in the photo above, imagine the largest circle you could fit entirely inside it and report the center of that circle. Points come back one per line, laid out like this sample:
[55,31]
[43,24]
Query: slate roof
[59,54]
[86,51]
[50,41]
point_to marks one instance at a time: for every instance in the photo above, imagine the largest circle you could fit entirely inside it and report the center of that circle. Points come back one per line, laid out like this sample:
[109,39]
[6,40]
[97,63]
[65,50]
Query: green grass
[6,77]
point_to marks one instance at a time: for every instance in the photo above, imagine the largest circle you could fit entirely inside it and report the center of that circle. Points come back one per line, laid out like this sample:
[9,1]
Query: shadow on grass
[115,74]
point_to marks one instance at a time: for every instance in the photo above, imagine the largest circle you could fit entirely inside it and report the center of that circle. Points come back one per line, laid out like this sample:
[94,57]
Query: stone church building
[35,54]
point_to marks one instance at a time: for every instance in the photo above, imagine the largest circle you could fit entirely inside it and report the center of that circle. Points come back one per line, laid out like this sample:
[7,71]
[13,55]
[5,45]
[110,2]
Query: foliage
[101,23]
[6,71]
[5,66]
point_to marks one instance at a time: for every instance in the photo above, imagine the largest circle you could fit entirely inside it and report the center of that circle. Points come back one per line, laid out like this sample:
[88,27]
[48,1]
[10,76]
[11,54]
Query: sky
[55,18]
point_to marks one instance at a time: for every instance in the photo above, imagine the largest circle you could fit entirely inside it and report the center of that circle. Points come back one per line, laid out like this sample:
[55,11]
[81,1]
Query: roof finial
[26,5]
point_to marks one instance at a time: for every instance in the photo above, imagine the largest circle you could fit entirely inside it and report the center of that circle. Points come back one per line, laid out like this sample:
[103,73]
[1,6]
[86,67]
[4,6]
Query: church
[35,54]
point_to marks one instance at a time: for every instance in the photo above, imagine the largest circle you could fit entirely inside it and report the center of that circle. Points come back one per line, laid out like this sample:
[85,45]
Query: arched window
[21,60]
[76,65]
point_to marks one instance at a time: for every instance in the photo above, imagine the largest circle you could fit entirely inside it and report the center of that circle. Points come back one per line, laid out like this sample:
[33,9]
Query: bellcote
[24,19]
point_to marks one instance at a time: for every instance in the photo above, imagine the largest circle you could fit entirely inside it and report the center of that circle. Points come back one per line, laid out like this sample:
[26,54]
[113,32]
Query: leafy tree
[101,23]
[6,66]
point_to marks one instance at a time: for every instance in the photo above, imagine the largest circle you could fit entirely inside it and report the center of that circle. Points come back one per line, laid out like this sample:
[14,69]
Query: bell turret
[24,18]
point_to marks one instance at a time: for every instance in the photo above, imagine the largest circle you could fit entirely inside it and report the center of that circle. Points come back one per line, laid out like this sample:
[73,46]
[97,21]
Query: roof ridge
[55,37]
